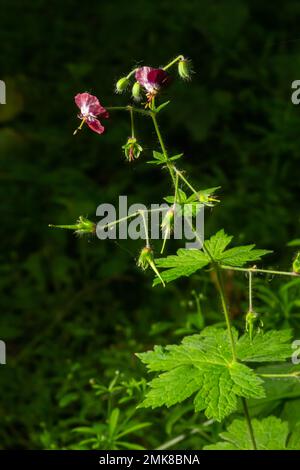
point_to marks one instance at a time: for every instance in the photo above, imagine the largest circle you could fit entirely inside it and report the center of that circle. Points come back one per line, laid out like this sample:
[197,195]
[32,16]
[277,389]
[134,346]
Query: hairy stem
[220,286]
[256,270]
[174,61]
[163,147]
[250,292]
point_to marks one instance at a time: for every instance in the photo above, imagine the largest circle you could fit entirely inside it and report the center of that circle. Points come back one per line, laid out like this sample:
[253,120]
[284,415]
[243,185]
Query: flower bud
[81,227]
[168,219]
[167,226]
[122,84]
[251,321]
[136,91]
[146,259]
[132,149]
[185,69]
[296,264]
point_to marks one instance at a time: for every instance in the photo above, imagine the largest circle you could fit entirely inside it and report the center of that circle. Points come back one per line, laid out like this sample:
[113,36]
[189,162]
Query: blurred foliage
[75,310]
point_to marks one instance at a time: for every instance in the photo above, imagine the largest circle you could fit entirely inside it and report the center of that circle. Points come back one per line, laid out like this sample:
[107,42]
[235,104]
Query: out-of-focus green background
[77,309]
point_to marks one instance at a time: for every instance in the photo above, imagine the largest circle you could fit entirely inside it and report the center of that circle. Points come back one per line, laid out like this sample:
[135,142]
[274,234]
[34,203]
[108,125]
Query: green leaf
[68,399]
[217,244]
[294,440]
[270,434]
[133,428]
[162,106]
[159,158]
[175,157]
[295,242]
[273,346]
[185,263]
[237,256]
[113,421]
[181,196]
[241,255]
[201,364]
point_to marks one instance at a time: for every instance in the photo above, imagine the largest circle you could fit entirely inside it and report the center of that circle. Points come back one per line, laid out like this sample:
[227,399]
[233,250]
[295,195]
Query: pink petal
[90,104]
[95,125]
[158,77]
[151,78]
[141,76]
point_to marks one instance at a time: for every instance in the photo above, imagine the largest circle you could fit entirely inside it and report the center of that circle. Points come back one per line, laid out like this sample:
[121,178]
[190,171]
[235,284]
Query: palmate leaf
[201,364]
[270,434]
[187,262]
[272,346]
[235,257]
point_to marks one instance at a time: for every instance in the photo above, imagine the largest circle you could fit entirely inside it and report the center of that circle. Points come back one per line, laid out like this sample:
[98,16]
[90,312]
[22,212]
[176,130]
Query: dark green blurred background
[75,309]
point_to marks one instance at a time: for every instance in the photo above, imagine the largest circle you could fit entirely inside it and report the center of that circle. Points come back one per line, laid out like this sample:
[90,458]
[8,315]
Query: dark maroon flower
[90,107]
[152,79]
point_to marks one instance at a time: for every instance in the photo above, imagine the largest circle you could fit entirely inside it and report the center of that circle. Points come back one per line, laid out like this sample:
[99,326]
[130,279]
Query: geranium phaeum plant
[218,365]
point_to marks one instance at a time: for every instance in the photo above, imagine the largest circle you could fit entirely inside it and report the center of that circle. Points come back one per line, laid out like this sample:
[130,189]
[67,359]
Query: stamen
[79,127]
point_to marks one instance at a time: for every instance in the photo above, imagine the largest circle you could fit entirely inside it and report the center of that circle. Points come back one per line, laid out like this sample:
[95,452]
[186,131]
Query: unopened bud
[296,264]
[251,320]
[136,91]
[122,84]
[146,259]
[167,226]
[185,69]
[82,226]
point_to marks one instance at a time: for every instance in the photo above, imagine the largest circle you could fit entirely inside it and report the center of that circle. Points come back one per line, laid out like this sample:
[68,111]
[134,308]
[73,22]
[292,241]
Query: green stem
[142,213]
[250,292]
[174,61]
[163,147]
[131,73]
[132,123]
[249,423]
[220,286]
[295,375]
[128,108]
[256,270]
[179,173]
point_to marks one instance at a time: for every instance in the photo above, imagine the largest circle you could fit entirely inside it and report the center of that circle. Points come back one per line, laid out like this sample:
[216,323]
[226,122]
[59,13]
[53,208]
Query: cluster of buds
[151,80]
